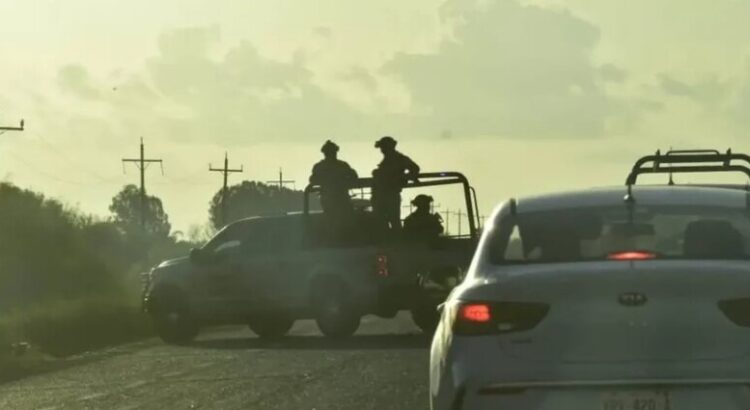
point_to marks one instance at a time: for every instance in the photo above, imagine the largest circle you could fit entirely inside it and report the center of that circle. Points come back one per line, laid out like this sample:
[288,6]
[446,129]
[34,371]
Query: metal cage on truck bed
[425,180]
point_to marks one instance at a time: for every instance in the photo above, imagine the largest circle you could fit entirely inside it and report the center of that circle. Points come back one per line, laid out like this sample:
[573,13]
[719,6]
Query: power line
[225,171]
[142,163]
[59,153]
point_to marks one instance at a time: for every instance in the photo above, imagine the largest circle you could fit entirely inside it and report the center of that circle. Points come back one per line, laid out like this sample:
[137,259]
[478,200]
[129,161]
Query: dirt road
[383,367]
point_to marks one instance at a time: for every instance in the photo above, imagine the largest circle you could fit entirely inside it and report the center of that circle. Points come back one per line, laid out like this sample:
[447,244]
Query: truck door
[270,263]
[216,274]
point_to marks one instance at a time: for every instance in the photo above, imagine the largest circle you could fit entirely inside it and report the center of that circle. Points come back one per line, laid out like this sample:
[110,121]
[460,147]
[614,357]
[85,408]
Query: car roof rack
[689,161]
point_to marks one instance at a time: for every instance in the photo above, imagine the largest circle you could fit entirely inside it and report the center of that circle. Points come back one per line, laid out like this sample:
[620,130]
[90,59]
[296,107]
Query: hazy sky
[523,96]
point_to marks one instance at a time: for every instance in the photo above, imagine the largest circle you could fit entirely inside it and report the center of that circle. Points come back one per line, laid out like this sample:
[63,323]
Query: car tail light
[382,266]
[737,310]
[631,256]
[482,318]
[477,312]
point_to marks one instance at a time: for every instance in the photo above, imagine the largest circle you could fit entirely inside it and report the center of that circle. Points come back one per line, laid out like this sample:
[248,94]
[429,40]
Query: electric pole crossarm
[281,181]
[19,128]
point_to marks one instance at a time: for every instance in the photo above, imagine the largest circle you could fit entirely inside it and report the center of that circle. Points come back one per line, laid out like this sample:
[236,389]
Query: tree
[126,208]
[252,198]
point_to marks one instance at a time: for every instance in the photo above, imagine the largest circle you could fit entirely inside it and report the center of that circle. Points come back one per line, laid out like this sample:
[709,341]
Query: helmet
[422,200]
[385,142]
[329,146]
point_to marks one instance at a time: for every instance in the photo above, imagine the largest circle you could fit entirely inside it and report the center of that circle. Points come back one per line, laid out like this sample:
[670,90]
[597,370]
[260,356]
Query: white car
[603,299]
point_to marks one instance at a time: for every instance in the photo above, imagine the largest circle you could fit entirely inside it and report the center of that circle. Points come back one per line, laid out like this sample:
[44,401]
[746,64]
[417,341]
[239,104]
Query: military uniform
[389,179]
[335,178]
[422,224]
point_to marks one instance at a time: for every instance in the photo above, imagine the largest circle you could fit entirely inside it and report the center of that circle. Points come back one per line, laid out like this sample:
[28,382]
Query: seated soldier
[422,223]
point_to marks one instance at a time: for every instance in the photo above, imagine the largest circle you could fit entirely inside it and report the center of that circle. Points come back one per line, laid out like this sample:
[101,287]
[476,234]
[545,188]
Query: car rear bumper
[579,395]
[467,375]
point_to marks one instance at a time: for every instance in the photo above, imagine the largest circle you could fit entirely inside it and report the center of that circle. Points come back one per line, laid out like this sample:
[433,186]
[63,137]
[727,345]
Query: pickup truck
[268,272]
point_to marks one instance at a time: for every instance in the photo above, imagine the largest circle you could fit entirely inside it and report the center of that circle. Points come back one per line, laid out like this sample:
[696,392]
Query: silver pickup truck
[267,272]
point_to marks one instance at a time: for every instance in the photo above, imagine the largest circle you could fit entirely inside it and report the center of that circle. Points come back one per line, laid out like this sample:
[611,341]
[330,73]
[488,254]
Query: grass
[65,328]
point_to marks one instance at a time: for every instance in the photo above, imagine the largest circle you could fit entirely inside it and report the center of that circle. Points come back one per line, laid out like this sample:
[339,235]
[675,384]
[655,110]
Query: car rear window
[601,233]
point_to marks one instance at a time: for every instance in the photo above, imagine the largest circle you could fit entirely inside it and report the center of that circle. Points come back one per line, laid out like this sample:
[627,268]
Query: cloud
[706,91]
[512,70]
[186,93]
[75,80]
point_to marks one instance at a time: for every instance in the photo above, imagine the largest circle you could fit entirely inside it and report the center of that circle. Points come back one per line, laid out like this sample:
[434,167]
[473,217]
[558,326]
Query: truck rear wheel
[426,317]
[333,312]
[270,326]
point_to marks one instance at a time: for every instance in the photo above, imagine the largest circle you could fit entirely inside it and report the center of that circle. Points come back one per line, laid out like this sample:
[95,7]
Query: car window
[598,233]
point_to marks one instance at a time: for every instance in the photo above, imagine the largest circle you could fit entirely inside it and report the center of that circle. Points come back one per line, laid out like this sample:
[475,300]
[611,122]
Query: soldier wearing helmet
[389,178]
[335,178]
[422,223]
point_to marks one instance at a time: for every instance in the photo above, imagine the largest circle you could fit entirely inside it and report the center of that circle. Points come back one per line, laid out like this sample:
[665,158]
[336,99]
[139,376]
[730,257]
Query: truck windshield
[620,233]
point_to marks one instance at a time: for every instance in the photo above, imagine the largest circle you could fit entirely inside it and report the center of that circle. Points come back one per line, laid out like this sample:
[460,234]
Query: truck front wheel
[333,312]
[172,320]
[270,326]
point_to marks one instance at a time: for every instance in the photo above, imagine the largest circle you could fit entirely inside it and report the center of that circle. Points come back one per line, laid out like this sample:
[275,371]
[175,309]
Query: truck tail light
[487,318]
[382,266]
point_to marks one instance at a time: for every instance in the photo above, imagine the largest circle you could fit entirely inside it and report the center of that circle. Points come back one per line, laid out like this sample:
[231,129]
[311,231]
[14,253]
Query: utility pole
[281,181]
[142,163]
[226,171]
[459,221]
[19,128]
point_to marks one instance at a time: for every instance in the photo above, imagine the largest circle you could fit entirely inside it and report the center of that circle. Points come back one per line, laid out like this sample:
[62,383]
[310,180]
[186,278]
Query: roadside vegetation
[71,282]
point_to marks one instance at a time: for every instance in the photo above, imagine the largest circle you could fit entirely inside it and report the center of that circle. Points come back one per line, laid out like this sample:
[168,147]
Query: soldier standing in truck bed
[389,178]
[335,178]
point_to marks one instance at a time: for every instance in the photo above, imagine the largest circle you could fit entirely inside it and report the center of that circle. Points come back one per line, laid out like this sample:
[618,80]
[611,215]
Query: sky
[523,96]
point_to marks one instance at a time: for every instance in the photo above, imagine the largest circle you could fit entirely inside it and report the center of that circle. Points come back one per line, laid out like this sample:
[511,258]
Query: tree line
[70,281]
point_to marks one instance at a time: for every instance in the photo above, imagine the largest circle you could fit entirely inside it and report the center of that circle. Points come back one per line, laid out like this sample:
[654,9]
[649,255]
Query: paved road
[383,367]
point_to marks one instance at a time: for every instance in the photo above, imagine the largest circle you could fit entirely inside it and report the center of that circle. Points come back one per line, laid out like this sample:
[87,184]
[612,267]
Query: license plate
[636,400]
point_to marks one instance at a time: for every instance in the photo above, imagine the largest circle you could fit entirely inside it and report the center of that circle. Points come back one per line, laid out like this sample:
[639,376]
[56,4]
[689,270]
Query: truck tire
[172,320]
[426,317]
[270,326]
[333,312]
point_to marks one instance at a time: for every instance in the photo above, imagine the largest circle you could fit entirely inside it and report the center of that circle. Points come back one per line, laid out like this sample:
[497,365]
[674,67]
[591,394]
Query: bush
[70,327]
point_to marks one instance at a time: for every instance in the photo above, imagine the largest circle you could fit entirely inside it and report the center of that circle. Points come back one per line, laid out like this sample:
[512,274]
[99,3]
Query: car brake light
[475,313]
[382,266]
[631,256]
[479,318]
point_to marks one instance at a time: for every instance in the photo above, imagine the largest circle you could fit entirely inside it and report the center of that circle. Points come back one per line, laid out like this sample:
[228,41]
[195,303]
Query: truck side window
[227,246]
[271,236]
[225,240]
